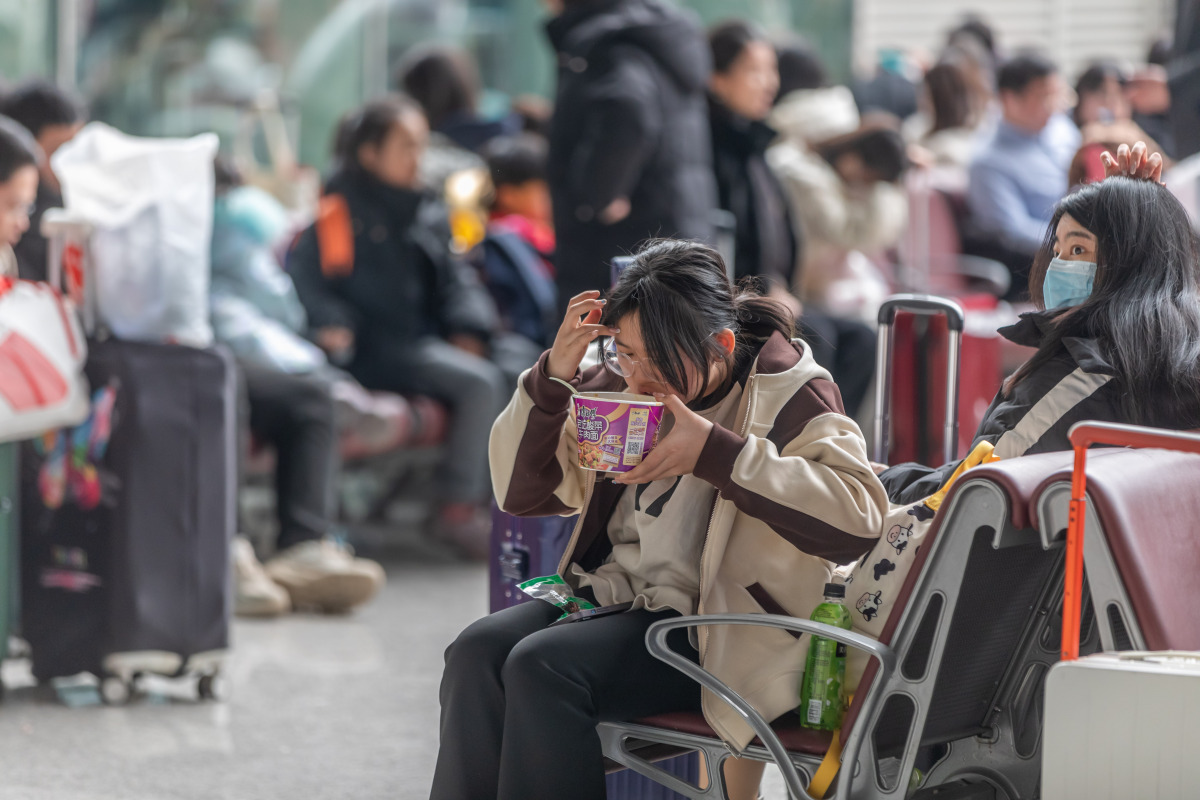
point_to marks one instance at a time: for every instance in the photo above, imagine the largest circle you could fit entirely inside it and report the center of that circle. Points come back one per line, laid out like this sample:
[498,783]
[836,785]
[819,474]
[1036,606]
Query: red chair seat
[410,422]
[433,421]
[796,738]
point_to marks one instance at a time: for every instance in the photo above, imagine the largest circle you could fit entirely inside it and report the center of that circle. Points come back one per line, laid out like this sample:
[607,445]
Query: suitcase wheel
[212,686]
[116,691]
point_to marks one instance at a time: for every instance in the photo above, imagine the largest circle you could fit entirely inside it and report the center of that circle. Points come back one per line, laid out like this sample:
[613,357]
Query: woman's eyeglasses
[621,363]
[616,361]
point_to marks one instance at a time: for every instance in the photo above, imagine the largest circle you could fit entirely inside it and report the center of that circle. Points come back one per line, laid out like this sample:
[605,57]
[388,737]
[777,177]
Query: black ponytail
[760,317]
[683,296]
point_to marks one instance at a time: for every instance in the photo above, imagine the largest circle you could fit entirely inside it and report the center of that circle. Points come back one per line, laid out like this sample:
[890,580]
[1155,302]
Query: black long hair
[18,149]
[1093,79]
[683,296]
[729,39]
[1144,310]
[443,80]
[38,104]
[369,124]
[949,96]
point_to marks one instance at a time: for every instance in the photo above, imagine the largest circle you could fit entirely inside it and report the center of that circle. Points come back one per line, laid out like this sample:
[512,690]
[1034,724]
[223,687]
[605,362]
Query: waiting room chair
[956,677]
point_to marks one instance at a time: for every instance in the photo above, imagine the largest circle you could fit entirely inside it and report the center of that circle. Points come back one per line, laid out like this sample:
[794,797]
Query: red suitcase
[918,335]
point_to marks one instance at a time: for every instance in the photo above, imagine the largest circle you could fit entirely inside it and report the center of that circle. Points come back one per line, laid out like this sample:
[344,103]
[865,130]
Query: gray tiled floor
[320,707]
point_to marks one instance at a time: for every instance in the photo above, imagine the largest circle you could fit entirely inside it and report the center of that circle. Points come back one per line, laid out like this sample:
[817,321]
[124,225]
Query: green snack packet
[554,590]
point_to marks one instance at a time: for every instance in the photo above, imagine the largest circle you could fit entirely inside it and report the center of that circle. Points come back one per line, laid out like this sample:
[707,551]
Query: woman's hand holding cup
[678,452]
[580,327]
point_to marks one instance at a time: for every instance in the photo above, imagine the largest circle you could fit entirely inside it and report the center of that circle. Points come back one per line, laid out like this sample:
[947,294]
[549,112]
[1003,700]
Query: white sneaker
[325,575]
[255,594]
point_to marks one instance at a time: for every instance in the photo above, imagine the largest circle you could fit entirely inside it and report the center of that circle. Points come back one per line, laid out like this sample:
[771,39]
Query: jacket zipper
[565,561]
[703,639]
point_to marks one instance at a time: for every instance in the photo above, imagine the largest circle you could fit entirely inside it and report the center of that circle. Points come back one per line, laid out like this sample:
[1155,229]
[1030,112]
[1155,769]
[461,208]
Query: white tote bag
[42,351]
[874,582]
[151,204]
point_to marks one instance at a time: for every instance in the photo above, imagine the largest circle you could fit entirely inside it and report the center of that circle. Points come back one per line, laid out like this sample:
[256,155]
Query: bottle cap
[835,590]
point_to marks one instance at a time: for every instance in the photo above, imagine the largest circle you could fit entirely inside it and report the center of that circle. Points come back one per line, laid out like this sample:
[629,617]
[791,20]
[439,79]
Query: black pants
[295,415]
[520,701]
[473,387]
[846,348]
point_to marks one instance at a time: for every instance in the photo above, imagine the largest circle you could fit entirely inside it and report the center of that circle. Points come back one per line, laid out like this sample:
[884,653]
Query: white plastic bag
[151,202]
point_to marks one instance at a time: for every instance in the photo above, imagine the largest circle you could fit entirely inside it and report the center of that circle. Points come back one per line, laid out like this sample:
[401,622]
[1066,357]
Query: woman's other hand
[579,328]
[679,450]
[1133,162]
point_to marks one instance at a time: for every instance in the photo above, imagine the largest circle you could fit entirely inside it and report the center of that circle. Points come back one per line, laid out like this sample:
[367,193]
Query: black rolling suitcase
[127,522]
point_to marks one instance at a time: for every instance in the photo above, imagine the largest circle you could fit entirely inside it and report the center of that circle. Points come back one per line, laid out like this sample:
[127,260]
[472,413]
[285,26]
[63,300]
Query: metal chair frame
[977,508]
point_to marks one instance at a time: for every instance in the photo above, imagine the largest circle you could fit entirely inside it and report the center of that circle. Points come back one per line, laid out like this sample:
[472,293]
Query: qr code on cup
[633,451]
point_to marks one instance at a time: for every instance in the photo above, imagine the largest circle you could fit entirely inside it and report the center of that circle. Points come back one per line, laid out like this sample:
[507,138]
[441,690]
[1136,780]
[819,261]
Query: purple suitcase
[523,548]
[529,547]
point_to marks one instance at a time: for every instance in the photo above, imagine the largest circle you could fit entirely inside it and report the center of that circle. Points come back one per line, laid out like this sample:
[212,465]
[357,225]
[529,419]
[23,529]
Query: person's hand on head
[1133,162]
[679,450]
[579,328]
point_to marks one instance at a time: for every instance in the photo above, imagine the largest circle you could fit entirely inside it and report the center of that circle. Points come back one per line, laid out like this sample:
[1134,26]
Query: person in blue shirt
[1020,174]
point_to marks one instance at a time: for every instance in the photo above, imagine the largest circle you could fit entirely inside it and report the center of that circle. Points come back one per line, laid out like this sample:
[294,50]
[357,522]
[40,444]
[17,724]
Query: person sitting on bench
[1117,330]
[760,483]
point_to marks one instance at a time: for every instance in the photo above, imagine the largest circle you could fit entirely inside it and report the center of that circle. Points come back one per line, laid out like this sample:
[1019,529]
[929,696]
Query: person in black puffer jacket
[742,91]
[769,244]
[1118,336]
[629,149]
[389,302]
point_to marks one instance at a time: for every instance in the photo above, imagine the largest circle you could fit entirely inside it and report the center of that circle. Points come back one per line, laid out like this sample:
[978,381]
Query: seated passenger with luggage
[53,116]
[19,162]
[761,482]
[391,304]
[1117,285]
[287,402]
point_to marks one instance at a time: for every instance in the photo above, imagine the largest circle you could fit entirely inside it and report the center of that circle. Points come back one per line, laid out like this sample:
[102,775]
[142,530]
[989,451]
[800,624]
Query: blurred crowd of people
[655,127]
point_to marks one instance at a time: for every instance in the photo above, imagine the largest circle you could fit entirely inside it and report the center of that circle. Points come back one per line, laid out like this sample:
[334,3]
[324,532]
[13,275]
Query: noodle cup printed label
[616,429]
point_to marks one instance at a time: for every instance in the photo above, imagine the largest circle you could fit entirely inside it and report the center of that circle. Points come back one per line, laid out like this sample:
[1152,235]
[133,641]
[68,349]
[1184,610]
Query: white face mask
[1068,283]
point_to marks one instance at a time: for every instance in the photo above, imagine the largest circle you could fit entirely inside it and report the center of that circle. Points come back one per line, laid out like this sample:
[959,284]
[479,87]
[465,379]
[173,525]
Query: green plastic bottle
[822,702]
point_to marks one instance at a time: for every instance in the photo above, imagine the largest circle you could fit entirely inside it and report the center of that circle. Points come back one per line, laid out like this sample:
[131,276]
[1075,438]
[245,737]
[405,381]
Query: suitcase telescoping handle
[1083,435]
[929,305]
[68,260]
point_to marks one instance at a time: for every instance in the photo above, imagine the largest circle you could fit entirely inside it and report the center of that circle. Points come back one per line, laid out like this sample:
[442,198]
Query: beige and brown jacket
[796,495]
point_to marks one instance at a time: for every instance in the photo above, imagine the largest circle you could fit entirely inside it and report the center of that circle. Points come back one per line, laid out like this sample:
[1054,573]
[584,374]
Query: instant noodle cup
[616,430]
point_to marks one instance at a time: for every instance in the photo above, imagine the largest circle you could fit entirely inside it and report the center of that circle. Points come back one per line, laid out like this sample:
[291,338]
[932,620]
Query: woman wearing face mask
[1117,285]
